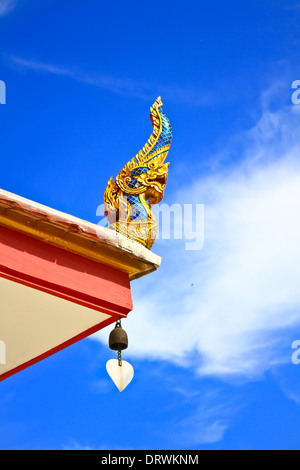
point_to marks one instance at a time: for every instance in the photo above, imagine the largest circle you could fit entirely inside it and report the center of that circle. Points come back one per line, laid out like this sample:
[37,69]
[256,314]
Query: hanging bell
[121,372]
[118,339]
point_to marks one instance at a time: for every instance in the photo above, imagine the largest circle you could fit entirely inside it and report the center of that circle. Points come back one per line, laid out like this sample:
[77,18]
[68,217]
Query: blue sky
[214,369]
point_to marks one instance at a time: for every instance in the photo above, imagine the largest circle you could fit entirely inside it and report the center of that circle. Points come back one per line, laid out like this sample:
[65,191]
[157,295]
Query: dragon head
[152,181]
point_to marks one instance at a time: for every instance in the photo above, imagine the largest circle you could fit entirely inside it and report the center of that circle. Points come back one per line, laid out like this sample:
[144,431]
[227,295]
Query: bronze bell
[118,339]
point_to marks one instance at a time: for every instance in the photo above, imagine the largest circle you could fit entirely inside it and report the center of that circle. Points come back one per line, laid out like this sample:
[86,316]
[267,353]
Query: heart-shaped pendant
[121,375]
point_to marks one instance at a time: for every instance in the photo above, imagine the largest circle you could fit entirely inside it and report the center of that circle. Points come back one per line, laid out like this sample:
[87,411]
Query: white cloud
[225,309]
[207,424]
[6,6]
[122,86]
[205,434]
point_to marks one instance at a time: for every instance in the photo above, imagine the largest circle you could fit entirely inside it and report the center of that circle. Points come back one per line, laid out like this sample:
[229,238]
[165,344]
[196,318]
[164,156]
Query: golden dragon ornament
[141,184]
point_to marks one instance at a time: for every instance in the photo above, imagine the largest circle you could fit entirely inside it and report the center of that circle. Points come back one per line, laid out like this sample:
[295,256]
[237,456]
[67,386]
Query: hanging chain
[118,325]
[120,357]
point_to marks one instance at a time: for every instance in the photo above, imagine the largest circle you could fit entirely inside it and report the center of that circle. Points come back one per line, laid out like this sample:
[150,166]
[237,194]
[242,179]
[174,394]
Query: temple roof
[76,235]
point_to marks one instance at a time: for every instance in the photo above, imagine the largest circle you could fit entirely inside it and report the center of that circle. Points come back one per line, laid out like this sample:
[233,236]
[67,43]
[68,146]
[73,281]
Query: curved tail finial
[141,183]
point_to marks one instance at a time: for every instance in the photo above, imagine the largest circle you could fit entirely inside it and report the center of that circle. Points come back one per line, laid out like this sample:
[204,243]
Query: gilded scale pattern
[141,184]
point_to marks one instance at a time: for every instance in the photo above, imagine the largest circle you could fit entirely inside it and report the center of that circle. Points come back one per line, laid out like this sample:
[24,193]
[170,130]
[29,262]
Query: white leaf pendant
[120,375]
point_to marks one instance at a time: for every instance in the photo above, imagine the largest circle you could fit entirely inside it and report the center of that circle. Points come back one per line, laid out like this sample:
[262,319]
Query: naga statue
[141,184]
